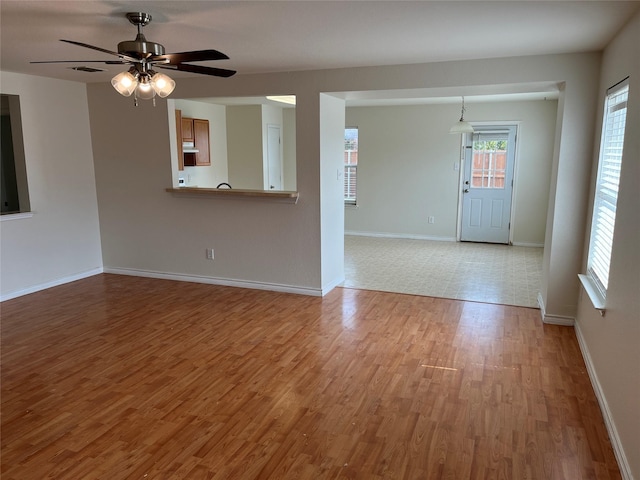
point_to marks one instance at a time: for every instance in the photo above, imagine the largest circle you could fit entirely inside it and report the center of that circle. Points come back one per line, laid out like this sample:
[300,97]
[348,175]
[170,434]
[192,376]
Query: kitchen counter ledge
[281,195]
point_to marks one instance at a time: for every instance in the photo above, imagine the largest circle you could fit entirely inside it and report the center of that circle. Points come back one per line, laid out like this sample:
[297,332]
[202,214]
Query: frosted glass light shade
[144,89]
[124,83]
[462,127]
[162,84]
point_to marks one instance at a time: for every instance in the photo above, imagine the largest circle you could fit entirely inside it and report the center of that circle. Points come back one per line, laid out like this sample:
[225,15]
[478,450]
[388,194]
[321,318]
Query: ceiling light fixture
[141,80]
[143,83]
[462,126]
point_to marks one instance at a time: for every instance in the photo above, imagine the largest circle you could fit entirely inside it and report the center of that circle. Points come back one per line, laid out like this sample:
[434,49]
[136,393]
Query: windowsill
[593,292]
[15,216]
[280,195]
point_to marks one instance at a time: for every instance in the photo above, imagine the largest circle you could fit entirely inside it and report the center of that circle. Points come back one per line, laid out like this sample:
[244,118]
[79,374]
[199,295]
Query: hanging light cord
[462,113]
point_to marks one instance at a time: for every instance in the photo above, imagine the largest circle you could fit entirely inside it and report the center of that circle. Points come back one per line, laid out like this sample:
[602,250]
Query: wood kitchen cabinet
[179,139]
[196,130]
[187,129]
[201,141]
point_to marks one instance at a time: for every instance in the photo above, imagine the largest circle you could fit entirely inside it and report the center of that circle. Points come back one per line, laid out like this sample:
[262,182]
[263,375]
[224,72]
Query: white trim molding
[399,235]
[554,319]
[331,285]
[618,450]
[274,287]
[15,216]
[597,299]
[527,244]
[52,283]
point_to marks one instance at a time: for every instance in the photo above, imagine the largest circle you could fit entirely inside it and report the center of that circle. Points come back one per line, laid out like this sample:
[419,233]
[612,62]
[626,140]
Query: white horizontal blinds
[350,164]
[606,196]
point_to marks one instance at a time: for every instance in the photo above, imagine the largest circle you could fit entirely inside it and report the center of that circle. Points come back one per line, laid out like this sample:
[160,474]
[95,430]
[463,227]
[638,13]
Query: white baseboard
[52,283]
[331,285]
[623,464]
[399,235]
[621,458]
[526,244]
[554,319]
[426,237]
[274,287]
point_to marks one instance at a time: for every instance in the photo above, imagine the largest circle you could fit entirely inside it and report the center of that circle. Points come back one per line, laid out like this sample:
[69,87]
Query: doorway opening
[487,184]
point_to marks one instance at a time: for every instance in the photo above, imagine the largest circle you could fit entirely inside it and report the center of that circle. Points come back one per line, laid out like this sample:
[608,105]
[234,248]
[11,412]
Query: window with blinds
[606,195]
[350,165]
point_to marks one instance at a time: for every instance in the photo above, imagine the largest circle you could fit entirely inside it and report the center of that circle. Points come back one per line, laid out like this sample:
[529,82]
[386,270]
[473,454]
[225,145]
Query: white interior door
[488,184]
[274,157]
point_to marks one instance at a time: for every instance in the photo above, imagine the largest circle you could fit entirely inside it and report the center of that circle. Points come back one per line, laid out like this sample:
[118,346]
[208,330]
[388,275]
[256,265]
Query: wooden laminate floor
[116,377]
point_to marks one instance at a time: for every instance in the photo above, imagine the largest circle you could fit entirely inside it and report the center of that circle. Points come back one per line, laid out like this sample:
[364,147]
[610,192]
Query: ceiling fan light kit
[141,80]
[145,85]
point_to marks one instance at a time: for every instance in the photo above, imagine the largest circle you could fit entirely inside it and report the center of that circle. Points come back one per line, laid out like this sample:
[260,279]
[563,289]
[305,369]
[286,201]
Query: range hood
[189,147]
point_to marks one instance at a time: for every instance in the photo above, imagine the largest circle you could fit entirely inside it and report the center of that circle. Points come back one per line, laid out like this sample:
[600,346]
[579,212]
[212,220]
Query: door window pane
[489,164]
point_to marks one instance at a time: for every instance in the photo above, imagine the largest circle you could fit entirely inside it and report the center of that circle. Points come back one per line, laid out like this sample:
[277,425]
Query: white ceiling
[267,36]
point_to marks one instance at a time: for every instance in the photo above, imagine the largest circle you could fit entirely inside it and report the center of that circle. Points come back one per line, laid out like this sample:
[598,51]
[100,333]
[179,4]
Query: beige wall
[611,343]
[289,148]
[61,241]
[244,146]
[407,173]
[247,137]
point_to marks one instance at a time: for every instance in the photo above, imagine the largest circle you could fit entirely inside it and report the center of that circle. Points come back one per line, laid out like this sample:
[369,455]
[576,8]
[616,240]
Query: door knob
[466,190]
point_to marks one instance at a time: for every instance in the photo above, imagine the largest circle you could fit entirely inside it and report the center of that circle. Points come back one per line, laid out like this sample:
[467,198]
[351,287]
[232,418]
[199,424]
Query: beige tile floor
[478,272]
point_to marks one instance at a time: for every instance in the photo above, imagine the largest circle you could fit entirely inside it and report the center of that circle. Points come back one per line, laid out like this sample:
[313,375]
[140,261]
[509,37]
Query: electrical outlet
[210,253]
[432,219]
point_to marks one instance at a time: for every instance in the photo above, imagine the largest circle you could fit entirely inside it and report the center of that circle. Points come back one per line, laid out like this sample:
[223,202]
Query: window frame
[348,201]
[605,199]
[15,182]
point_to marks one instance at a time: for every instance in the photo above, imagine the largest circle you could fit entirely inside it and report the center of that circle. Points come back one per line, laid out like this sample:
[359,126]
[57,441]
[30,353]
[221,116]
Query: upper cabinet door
[201,140]
[187,129]
[179,139]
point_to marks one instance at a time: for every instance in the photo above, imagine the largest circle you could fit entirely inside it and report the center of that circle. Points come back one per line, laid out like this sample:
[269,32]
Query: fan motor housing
[140,47]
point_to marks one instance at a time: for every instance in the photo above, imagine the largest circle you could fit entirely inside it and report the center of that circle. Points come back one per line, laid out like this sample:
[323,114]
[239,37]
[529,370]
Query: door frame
[459,165]
[278,161]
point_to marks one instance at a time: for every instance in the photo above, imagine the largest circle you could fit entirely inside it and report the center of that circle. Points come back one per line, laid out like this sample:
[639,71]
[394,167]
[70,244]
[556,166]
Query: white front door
[488,184]
[274,158]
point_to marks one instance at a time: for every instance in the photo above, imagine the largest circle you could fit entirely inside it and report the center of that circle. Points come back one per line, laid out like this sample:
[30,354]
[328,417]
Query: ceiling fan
[141,79]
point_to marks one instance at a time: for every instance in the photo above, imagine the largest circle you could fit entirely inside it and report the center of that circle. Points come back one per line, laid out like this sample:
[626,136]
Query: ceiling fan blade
[183,57]
[86,45]
[185,67]
[108,62]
